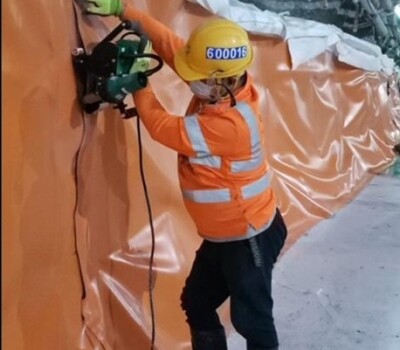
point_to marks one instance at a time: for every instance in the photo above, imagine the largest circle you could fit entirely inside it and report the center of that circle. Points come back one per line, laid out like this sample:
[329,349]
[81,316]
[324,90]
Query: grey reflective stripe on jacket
[199,144]
[203,154]
[257,156]
[204,157]
[224,195]
[208,196]
[255,188]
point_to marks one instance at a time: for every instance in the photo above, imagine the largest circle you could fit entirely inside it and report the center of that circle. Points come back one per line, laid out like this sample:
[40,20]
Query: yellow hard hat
[218,48]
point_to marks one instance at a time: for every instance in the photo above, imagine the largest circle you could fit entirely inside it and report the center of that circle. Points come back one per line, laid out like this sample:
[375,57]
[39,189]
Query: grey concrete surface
[338,287]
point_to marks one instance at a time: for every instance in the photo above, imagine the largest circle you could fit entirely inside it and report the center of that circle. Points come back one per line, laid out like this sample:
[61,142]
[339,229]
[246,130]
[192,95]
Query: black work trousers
[241,270]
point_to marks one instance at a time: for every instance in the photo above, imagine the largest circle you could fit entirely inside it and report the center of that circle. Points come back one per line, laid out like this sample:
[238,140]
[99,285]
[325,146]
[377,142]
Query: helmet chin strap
[230,93]
[229,88]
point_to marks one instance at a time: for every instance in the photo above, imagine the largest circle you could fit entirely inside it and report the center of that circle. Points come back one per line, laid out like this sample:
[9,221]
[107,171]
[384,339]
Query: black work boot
[209,340]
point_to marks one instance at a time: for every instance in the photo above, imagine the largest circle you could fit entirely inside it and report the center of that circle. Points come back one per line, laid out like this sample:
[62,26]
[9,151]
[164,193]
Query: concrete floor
[338,287]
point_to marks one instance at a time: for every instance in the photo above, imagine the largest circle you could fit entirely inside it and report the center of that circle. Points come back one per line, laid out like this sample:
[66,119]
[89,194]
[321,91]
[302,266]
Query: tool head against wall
[115,67]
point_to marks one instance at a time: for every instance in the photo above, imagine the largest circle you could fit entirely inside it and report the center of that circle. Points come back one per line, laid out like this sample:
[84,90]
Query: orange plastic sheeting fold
[76,231]
[42,132]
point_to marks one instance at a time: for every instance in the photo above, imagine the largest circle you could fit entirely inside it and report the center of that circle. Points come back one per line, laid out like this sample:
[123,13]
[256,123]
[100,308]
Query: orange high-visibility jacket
[223,171]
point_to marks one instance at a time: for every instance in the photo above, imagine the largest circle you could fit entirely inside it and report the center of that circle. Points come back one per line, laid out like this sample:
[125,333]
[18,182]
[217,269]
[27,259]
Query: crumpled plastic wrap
[306,39]
[76,240]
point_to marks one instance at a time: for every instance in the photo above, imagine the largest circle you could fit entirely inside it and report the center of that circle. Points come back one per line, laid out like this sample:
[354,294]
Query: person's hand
[105,7]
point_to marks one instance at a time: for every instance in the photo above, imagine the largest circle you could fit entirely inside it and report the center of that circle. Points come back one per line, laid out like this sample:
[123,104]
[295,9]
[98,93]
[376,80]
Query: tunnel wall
[76,238]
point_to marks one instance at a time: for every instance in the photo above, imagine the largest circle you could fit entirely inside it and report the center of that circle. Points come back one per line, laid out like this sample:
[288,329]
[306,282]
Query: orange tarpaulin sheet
[76,239]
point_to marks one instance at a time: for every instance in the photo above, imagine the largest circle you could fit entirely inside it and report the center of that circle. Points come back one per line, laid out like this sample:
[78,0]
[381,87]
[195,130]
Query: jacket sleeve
[221,135]
[165,41]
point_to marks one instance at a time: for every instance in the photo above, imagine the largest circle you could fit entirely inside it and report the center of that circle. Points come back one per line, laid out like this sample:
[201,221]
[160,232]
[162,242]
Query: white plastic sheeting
[306,39]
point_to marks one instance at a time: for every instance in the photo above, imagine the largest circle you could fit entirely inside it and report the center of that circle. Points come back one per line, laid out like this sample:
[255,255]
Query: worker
[223,173]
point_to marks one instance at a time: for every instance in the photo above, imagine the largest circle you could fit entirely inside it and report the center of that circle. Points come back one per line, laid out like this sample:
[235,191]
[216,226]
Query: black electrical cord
[143,42]
[129,33]
[148,55]
[142,175]
[153,240]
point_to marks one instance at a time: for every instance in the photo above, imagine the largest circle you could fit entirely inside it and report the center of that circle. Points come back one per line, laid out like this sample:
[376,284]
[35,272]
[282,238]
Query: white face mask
[201,90]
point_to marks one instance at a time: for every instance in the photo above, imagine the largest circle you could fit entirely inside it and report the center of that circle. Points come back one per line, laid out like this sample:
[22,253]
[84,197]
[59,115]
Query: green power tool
[115,68]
